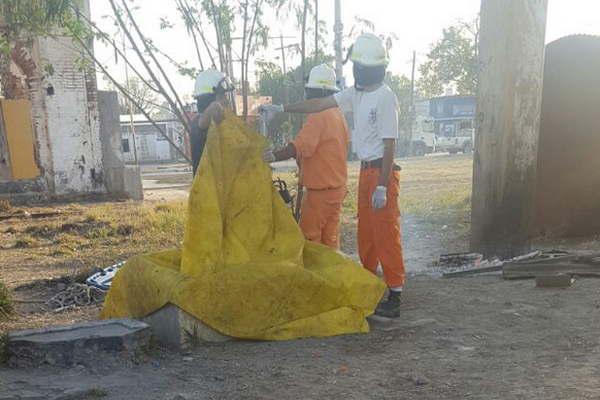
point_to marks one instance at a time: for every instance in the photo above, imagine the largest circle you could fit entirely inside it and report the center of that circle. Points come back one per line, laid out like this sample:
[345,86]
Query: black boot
[391,307]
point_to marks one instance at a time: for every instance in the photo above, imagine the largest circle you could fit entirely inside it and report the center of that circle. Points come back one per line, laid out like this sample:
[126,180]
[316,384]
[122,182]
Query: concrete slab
[176,328]
[77,344]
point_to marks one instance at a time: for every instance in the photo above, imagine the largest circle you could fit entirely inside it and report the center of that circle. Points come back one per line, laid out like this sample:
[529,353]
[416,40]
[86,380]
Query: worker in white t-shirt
[374,135]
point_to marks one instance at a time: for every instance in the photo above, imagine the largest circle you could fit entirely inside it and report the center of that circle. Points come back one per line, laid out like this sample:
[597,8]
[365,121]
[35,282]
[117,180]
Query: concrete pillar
[120,179]
[509,102]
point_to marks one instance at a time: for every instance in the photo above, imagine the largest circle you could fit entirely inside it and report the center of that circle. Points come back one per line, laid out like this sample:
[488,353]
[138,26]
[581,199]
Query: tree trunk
[243,64]
[509,103]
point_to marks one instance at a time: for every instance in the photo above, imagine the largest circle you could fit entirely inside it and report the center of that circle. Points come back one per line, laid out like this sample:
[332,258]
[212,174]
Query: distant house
[452,114]
[150,145]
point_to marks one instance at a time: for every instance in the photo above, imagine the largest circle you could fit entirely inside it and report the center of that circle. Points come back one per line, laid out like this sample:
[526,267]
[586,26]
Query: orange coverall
[321,151]
[379,237]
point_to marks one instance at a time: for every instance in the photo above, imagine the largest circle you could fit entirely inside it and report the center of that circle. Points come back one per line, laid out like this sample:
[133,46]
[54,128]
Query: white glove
[379,198]
[268,156]
[269,111]
[271,108]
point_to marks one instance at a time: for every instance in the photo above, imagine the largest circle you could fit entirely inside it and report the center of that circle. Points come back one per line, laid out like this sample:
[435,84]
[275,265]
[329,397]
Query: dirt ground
[463,338]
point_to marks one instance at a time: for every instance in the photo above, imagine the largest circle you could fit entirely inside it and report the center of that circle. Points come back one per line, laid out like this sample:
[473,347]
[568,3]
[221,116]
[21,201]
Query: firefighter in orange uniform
[321,151]
[375,110]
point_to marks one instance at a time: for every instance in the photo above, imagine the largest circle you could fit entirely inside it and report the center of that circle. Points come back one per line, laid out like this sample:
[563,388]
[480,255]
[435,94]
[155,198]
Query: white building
[150,145]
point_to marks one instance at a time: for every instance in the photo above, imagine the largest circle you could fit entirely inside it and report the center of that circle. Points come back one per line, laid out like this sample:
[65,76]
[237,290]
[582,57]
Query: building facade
[145,142]
[49,128]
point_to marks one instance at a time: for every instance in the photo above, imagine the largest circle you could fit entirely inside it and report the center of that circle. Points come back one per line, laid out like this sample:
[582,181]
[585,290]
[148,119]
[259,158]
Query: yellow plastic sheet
[245,269]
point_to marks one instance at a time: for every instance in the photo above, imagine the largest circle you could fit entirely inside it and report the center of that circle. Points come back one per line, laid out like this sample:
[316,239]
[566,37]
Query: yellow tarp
[245,269]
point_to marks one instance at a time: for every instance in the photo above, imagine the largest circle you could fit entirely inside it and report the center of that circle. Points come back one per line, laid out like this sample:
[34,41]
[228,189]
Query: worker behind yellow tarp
[245,269]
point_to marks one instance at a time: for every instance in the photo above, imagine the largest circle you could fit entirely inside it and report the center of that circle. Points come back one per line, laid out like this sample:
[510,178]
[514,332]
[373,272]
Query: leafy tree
[452,62]
[401,87]
[24,19]
[245,18]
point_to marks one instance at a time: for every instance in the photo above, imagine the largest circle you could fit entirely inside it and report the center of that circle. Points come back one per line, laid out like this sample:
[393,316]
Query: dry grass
[96,236]
[6,306]
[34,254]
[430,186]
[434,186]
[4,205]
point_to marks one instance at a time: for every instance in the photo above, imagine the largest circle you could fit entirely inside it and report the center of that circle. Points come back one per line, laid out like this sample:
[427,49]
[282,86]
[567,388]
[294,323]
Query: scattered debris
[542,264]
[582,263]
[459,260]
[103,278]
[76,295]
[554,281]
[486,266]
[22,214]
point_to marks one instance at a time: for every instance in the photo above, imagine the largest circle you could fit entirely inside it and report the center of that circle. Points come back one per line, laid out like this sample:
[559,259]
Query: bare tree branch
[125,93]
[164,93]
[186,119]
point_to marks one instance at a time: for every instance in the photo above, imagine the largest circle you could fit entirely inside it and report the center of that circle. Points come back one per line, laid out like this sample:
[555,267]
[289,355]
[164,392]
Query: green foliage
[401,87]
[6,306]
[35,17]
[452,62]
[3,344]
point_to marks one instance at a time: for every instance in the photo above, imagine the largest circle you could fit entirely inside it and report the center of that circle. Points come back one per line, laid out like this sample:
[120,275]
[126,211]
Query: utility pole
[282,52]
[129,105]
[412,101]
[316,28]
[338,29]
[509,101]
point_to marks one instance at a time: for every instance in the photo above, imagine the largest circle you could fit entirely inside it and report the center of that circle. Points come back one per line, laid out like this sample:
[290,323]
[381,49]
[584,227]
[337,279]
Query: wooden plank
[472,271]
[577,264]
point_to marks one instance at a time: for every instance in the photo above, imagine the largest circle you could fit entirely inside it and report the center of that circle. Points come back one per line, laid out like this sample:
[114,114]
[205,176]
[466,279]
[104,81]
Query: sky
[416,24]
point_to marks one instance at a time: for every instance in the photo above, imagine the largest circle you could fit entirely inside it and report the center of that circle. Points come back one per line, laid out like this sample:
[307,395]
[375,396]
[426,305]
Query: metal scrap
[76,295]
[487,266]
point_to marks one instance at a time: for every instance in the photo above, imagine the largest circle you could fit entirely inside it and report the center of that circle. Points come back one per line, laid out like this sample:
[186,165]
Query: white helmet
[369,50]
[322,77]
[208,81]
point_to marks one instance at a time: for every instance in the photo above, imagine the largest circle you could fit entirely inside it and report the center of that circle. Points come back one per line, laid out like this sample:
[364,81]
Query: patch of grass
[4,205]
[437,202]
[6,306]
[94,393]
[43,231]
[152,226]
[3,344]
[25,242]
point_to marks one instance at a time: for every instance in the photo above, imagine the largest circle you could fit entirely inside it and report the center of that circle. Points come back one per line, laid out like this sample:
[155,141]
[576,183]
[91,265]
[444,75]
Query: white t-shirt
[375,119]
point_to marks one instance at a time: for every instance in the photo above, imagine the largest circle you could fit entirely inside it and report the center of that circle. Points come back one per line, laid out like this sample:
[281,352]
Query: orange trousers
[320,215]
[379,237]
